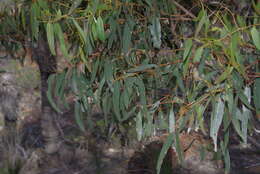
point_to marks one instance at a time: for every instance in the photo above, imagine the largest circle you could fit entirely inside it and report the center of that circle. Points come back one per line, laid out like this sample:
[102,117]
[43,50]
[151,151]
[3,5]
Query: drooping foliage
[153,65]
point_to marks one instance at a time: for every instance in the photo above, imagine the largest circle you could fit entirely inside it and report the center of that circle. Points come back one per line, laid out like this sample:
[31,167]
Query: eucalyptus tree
[152,65]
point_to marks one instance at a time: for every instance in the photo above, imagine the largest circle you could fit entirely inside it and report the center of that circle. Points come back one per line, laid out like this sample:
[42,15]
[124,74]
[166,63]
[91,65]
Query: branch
[184,9]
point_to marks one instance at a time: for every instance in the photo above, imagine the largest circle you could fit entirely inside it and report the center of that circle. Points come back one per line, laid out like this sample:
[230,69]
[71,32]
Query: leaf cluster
[153,65]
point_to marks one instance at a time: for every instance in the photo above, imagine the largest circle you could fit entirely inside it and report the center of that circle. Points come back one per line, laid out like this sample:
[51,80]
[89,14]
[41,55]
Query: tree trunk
[47,66]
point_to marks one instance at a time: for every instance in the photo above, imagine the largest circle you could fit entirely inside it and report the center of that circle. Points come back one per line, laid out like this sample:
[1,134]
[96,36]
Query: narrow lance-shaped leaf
[116,99]
[171,120]
[59,33]
[226,156]
[187,49]
[50,93]
[75,4]
[244,99]
[126,115]
[139,126]
[201,22]
[94,30]
[155,30]
[186,54]
[100,29]
[246,115]
[23,19]
[236,120]
[141,89]
[34,22]
[178,147]
[166,146]
[78,116]
[148,126]
[81,32]
[125,98]
[142,68]
[200,109]
[94,70]
[256,96]
[50,37]
[256,37]
[224,75]
[127,36]
[198,54]
[60,84]
[108,68]
[216,119]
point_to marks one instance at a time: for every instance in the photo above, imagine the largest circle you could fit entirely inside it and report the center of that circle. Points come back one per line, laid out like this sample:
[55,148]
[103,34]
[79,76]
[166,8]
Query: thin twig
[184,9]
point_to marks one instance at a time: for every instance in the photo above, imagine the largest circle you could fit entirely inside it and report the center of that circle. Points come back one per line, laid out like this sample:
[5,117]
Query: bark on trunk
[47,66]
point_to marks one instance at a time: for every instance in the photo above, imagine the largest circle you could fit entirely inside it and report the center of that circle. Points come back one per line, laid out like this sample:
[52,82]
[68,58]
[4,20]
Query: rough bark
[47,66]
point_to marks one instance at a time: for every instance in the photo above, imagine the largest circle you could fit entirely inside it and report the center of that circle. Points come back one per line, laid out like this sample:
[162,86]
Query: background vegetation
[149,65]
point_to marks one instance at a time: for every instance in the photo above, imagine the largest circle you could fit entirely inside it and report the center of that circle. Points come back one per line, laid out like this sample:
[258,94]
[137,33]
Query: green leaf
[94,70]
[155,30]
[229,98]
[108,70]
[141,89]
[237,80]
[180,82]
[50,37]
[99,91]
[226,156]
[166,146]
[246,114]
[202,21]
[149,3]
[256,6]
[200,109]
[256,37]
[75,5]
[244,99]
[78,116]
[94,31]
[23,19]
[187,49]
[241,21]
[81,32]
[34,21]
[148,125]
[139,126]
[198,54]
[106,105]
[126,115]
[112,36]
[256,95]
[60,84]
[100,29]
[224,75]
[126,98]
[178,147]
[116,99]
[59,33]
[127,36]
[186,54]
[142,68]
[49,93]
[43,4]
[216,119]
[236,121]
[171,121]
[163,124]
[234,48]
